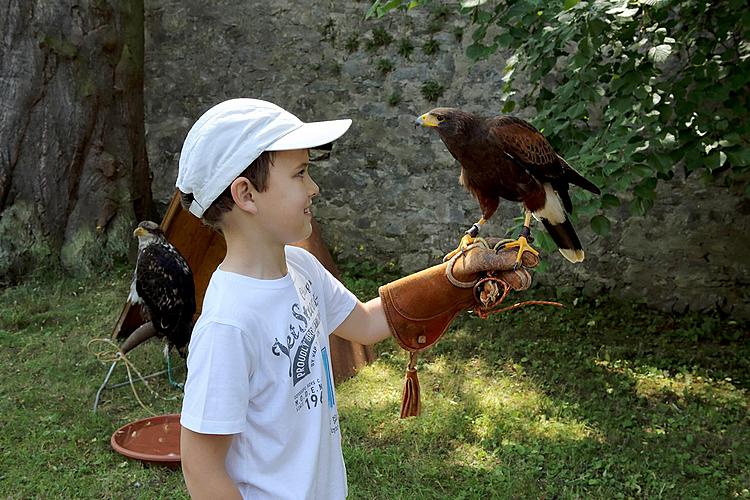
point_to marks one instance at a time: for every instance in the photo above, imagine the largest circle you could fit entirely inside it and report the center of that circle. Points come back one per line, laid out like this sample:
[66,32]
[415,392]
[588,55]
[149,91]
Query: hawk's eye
[439,118]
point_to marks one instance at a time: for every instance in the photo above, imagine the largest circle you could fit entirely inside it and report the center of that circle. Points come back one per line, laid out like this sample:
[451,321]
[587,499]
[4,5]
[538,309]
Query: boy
[259,417]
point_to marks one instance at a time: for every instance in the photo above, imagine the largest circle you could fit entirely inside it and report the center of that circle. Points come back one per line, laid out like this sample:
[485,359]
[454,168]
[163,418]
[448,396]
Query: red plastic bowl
[154,440]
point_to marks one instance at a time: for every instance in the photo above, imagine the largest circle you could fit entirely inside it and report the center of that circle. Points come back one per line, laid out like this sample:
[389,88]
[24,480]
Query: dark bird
[506,157]
[163,286]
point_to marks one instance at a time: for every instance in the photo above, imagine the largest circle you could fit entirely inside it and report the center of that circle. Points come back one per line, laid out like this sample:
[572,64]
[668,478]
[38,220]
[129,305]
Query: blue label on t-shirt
[329,383]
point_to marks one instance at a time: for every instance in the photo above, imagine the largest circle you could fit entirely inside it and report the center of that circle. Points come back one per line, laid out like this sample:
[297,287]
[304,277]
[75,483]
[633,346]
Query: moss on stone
[89,250]
[59,46]
[23,248]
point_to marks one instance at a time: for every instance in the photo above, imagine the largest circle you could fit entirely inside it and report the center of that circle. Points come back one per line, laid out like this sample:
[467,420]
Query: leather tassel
[410,400]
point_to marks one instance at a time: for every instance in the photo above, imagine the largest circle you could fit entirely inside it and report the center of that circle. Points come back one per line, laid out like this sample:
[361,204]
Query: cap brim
[311,135]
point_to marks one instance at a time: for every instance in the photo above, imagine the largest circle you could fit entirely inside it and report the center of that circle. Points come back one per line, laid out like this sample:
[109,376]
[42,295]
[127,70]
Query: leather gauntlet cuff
[420,307]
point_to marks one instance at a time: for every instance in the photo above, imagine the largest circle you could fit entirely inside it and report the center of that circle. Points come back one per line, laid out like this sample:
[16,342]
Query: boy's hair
[257,173]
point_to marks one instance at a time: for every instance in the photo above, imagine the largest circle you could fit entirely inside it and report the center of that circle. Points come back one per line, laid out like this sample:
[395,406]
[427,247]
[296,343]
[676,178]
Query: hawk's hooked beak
[427,120]
[139,231]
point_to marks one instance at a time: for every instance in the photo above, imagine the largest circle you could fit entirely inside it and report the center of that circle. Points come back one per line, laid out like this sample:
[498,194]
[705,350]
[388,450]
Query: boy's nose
[315,189]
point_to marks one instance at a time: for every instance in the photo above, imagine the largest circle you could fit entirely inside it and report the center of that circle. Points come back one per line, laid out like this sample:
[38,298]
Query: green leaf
[730,140]
[596,26]
[609,201]
[380,9]
[622,104]
[715,159]
[645,190]
[477,51]
[640,156]
[589,207]
[479,33]
[576,110]
[642,170]
[692,163]
[660,53]
[611,167]
[483,17]
[640,206]
[601,225]
[665,112]
[623,12]
[738,157]
[509,106]
[504,40]
[665,176]
[662,161]
[655,3]
[569,4]
[584,48]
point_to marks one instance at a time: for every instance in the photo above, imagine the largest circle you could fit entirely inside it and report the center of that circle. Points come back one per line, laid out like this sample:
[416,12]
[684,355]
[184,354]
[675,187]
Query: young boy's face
[284,208]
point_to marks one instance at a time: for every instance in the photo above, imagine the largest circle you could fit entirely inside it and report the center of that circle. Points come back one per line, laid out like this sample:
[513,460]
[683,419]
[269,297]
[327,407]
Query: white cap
[232,134]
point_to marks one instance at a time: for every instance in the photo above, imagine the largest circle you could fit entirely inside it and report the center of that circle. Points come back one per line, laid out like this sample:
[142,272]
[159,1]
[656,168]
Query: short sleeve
[220,364]
[337,299]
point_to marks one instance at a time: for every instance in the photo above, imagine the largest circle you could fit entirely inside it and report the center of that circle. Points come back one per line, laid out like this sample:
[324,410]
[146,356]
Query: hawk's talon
[462,246]
[500,245]
[470,236]
[523,246]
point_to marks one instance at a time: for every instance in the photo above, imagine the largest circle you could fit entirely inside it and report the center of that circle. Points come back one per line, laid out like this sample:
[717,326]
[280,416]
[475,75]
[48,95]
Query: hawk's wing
[165,284]
[525,145]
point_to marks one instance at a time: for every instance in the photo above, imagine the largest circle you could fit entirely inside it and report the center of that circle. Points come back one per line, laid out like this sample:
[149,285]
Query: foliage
[380,38]
[394,98]
[352,43]
[630,92]
[430,47]
[432,90]
[405,48]
[385,65]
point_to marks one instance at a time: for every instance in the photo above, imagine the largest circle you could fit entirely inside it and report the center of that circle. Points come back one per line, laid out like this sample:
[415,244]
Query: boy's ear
[243,194]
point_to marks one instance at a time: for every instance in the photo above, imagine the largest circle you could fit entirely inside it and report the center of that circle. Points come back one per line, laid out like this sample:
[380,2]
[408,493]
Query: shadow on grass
[598,401]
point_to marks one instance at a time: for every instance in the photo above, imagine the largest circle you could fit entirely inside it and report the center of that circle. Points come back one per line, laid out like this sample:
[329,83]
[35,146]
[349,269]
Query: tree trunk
[74,175]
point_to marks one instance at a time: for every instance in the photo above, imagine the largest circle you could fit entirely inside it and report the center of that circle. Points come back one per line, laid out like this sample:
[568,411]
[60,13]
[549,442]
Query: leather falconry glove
[420,307]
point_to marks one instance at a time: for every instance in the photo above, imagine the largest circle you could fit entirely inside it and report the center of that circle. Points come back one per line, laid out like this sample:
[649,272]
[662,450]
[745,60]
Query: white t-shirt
[259,367]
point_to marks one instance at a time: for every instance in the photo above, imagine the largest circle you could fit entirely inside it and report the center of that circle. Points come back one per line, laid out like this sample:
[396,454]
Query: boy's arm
[203,466]
[421,306]
[366,324]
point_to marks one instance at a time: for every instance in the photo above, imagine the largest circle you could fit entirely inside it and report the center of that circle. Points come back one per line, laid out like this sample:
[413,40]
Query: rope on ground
[112,354]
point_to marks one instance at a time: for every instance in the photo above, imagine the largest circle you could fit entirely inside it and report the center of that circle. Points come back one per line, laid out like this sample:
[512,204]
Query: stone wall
[390,191]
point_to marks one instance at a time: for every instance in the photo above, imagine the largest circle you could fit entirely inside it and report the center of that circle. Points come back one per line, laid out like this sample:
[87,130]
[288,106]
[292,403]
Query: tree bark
[74,175]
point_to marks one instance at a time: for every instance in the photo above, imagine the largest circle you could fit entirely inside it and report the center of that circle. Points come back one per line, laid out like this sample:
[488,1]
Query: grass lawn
[598,400]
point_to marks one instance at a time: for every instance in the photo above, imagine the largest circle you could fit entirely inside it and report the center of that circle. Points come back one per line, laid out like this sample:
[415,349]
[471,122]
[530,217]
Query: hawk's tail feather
[566,239]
